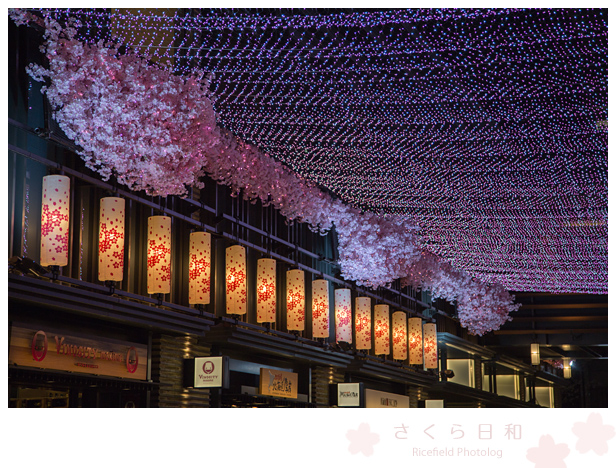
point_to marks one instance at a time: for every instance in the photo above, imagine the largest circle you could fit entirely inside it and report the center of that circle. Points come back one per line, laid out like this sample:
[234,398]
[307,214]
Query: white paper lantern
[266,290]
[111,239]
[363,323]
[381,329]
[430,346]
[415,340]
[567,368]
[159,255]
[296,300]
[344,316]
[199,268]
[320,308]
[55,213]
[235,280]
[535,355]
[398,323]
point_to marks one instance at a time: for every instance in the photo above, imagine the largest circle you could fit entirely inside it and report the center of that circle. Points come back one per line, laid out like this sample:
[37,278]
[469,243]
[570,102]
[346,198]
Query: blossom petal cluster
[157,132]
[131,119]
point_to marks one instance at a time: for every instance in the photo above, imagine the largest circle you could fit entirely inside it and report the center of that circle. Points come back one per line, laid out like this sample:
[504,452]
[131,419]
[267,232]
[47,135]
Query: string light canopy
[486,128]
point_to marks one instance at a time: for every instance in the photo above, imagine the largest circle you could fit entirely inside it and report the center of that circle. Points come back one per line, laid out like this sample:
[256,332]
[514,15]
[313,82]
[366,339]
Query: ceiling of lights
[486,128]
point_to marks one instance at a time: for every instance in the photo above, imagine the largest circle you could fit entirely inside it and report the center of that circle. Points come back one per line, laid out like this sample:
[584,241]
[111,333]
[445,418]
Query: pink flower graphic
[548,454]
[593,434]
[362,440]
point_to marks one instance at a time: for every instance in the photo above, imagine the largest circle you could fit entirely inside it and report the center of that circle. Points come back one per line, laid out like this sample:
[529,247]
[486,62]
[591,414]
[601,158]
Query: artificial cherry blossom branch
[157,132]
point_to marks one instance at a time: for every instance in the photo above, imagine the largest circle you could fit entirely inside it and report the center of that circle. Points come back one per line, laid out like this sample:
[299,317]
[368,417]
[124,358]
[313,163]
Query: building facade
[79,341]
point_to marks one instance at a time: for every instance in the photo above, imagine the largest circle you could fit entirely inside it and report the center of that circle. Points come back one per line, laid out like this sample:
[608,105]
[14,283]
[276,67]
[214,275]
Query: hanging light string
[491,135]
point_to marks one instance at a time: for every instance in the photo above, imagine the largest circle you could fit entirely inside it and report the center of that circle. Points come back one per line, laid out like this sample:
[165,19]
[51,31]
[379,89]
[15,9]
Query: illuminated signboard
[278,383]
[206,372]
[349,395]
[377,399]
[45,348]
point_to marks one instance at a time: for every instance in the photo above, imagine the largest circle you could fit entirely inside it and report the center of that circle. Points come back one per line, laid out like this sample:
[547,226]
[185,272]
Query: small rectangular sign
[349,394]
[435,403]
[208,372]
[278,383]
[377,399]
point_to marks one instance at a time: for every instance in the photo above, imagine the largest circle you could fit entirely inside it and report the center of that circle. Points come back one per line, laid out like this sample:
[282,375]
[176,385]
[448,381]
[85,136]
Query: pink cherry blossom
[157,132]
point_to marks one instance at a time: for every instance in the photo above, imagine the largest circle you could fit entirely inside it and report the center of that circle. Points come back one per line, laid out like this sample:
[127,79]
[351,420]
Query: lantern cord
[162,204]
[111,285]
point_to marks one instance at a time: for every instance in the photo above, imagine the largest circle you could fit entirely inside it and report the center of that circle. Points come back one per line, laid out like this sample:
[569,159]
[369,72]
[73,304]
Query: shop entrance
[30,388]
[38,397]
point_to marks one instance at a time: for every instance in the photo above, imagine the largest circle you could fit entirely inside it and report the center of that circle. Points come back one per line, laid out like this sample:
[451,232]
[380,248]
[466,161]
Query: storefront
[57,359]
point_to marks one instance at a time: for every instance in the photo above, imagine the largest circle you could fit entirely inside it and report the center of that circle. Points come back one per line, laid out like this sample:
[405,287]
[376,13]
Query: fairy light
[480,126]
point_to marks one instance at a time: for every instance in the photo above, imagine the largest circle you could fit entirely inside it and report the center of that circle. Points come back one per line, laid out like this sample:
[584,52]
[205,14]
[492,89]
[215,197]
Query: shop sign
[273,382]
[349,394]
[435,403]
[376,399]
[208,372]
[49,349]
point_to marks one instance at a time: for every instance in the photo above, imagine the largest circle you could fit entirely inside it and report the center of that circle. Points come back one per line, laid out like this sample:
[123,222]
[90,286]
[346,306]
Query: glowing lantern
[567,368]
[320,309]
[235,280]
[415,341]
[363,323]
[159,255]
[111,239]
[430,346]
[344,316]
[535,356]
[199,268]
[266,290]
[55,220]
[296,299]
[398,338]
[381,329]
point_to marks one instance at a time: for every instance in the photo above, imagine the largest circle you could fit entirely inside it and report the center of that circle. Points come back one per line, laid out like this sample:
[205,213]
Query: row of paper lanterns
[409,338]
